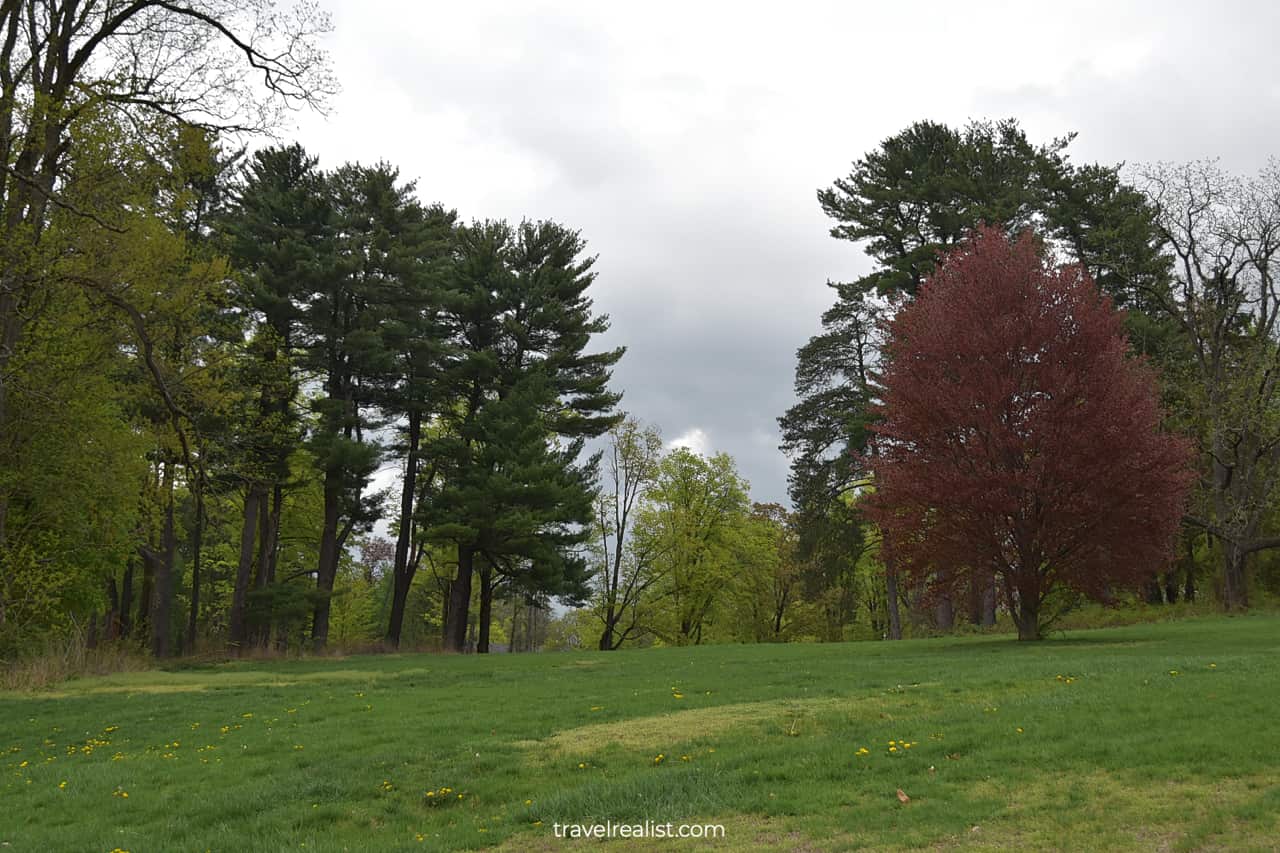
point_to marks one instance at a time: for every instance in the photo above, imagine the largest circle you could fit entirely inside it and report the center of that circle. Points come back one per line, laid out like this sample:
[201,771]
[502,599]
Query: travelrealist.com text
[648,829]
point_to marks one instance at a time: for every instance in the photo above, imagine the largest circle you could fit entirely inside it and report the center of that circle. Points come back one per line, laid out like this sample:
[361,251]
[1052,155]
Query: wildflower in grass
[597,707]
[862,750]
[419,838]
[297,746]
[1019,729]
[893,749]
[24,763]
[582,766]
[684,758]
[387,786]
[248,716]
[1174,672]
[528,802]
[62,786]
[659,758]
[1213,666]
[121,793]
[110,729]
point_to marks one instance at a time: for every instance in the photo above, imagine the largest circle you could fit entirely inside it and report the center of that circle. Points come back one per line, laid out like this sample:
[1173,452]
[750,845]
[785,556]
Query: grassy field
[1149,737]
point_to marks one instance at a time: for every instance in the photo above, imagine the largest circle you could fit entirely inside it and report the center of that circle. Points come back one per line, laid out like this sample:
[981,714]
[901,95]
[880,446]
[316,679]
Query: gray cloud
[687,142]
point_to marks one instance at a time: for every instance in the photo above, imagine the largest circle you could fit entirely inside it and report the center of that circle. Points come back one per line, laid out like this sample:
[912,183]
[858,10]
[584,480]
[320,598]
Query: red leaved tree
[1019,444]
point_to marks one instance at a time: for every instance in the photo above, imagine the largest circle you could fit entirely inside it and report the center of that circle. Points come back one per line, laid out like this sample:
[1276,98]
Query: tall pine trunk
[403,569]
[460,600]
[486,608]
[238,629]
[327,568]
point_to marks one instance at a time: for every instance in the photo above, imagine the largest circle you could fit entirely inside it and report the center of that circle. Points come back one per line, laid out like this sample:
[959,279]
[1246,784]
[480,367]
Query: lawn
[1159,736]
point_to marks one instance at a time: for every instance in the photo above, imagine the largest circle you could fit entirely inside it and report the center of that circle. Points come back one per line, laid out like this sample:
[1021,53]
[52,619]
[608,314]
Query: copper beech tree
[1020,445]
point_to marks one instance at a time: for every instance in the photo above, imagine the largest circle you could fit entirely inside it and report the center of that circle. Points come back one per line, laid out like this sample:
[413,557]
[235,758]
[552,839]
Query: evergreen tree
[520,323]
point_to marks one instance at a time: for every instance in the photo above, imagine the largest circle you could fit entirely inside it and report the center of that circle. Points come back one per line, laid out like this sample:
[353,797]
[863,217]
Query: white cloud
[694,439]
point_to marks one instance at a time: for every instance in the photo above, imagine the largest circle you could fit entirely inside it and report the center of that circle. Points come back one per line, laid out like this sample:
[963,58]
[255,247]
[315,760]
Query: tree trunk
[989,602]
[1027,616]
[126,600]
[112,629]
[403,569]
[142,625]
[944,613]
[327,567]
[162,603]
[1235,594]
[460,600]
[238,628]
[197,542]
[486,608]
[891,595]
[268,528]
[1189,584]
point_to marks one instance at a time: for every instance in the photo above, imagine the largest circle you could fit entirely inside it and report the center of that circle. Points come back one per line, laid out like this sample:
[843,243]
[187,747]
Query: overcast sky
[686,142]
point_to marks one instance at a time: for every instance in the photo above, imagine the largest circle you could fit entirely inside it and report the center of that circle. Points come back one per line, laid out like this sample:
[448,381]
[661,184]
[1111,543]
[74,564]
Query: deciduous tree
[1018,438]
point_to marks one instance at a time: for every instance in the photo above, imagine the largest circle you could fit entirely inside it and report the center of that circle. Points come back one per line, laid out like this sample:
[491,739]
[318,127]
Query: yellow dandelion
[893,749]
[248,716]
[581,766]
[62,785]
[528,802]
[1019,729]
[684,758]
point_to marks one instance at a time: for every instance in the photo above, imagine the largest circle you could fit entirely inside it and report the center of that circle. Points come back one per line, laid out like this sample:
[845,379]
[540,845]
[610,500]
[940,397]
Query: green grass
[337,754]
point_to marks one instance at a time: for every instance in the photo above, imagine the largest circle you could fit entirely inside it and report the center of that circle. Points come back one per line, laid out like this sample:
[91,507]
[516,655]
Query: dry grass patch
[1112,811]
[784,716]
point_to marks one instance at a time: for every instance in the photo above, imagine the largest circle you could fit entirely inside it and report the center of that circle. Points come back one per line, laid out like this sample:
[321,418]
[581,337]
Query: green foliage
[689,521]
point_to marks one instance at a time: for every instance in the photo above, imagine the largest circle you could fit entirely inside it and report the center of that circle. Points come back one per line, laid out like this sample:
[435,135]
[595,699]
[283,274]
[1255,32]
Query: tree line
[207,357]
[1186,250]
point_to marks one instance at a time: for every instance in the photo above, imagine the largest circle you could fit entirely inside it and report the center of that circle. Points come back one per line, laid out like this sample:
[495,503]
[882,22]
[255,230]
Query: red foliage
[1018,439]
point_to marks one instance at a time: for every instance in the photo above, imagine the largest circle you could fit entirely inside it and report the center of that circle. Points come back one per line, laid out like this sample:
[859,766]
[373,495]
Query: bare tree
[1223,236]
[631,464]
[229,65]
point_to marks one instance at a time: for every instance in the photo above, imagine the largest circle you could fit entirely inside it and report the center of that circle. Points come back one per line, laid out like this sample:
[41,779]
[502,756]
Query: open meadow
[1156,736]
